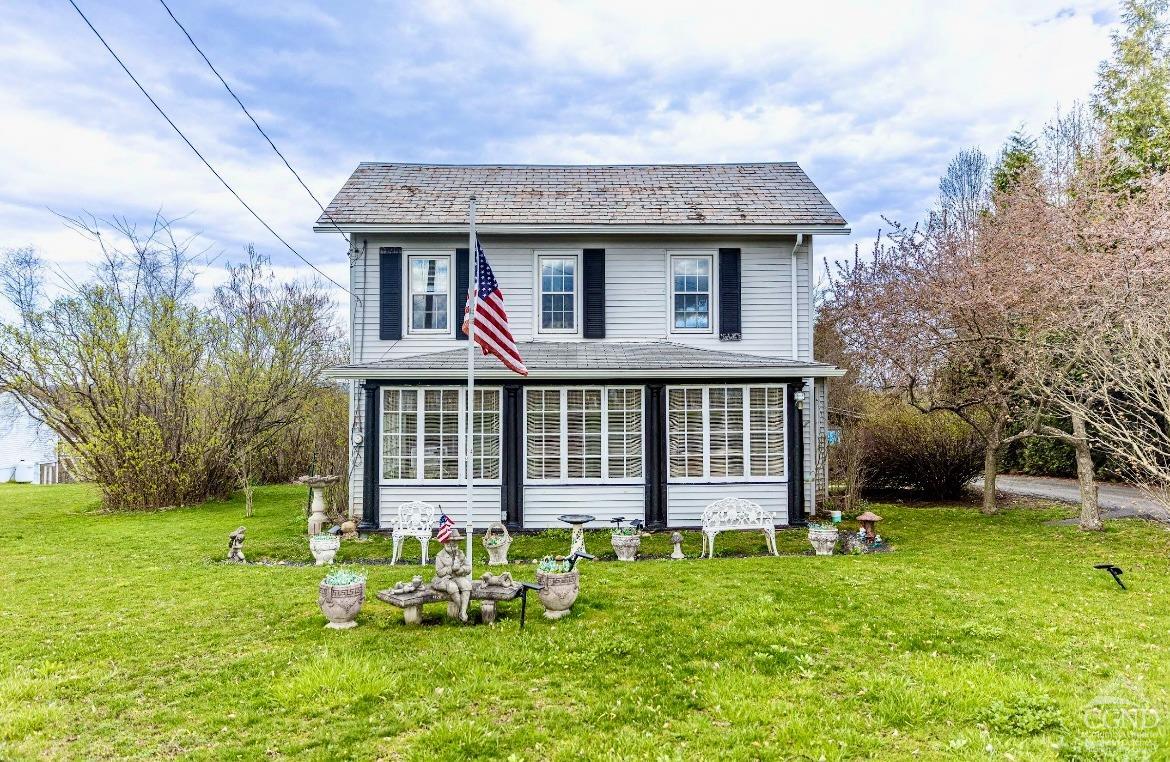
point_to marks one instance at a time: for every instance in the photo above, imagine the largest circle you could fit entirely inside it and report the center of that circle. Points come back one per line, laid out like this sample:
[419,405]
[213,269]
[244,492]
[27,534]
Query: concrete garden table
[578,522]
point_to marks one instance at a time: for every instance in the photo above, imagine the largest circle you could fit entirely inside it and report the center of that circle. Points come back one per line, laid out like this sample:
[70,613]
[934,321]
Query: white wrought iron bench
[415,519]
[734,513]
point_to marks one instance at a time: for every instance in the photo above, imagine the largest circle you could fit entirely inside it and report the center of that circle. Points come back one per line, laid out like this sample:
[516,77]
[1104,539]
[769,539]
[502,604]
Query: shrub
[935,454]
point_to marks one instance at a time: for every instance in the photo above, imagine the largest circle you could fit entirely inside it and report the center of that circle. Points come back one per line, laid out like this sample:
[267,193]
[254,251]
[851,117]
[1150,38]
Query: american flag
[491,322]
[446,526]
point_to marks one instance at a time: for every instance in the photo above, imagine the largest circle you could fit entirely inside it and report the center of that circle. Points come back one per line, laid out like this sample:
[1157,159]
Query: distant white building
[28,448]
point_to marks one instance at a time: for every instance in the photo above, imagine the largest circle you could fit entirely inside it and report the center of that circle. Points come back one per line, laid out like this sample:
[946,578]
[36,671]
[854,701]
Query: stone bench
[734,513]
[411,602]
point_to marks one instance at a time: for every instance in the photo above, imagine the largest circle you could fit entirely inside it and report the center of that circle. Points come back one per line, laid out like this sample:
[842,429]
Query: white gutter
[429,374]
[795,307]
[584,229]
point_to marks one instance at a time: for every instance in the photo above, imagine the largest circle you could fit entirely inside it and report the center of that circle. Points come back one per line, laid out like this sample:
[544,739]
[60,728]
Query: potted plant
[559,585]
[497,541]
[340,597]
[324,547]
[823,538]
[626,539]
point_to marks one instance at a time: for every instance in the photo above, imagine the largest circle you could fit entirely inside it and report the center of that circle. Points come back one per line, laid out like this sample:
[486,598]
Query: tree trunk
[1090,510]
[991,466]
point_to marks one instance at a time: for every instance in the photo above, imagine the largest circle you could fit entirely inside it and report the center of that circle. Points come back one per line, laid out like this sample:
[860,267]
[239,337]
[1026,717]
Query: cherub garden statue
[236,546]
[453,575]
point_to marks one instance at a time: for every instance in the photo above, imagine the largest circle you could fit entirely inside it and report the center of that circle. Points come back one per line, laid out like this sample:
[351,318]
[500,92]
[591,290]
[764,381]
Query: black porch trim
[371,500]
[654,431]
[796,516]
[512,458]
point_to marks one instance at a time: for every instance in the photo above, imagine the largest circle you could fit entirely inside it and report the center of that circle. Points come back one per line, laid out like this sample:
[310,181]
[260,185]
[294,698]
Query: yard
[124,636]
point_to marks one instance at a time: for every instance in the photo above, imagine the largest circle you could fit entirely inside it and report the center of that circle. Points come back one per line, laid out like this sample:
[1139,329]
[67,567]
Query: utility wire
[202,158]
[232,93]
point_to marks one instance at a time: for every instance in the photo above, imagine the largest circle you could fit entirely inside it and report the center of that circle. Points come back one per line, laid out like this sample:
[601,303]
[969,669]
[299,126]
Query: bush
[934,454]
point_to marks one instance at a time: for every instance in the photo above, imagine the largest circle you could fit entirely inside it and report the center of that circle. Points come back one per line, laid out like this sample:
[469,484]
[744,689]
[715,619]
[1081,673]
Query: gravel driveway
[1118,501]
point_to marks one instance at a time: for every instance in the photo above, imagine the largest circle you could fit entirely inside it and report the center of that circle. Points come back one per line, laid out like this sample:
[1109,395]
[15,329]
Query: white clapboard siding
[685,502]
[637,295]
[25,443]
[542,504]
[451,497]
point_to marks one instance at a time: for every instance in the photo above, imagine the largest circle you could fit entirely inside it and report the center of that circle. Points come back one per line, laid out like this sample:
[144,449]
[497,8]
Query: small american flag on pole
[446,526]
[490,321]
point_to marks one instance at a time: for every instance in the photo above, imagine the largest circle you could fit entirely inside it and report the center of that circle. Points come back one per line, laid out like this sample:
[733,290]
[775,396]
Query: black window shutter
[730,325]
[390,293]
[593,264]
[462,284]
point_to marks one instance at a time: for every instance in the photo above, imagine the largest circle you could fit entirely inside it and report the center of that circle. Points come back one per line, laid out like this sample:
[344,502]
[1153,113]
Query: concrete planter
[324,548]
[497,540]
[341,603]
[626,546]
[558,592]
[823,539]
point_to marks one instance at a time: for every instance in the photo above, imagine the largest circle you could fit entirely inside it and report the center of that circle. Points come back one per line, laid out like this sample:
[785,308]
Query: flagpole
[473,295]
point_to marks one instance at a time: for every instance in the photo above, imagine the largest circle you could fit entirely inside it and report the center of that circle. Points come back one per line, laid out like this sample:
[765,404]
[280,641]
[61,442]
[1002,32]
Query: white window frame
[712,291]
[538,293]
[410,294]
[420,434]
[564,436]
[747,477]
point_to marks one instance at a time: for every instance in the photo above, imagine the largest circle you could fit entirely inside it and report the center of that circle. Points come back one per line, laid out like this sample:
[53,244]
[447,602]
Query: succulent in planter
[340,597]
[626,539]
[497,540]
[823,538]
[560,582]
[324,547]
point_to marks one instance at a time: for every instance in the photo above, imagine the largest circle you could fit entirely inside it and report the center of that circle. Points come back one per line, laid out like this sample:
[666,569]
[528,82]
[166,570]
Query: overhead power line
[202,158]
[260,129]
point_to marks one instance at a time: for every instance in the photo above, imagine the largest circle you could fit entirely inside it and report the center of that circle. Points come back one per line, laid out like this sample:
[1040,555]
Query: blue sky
[872,100]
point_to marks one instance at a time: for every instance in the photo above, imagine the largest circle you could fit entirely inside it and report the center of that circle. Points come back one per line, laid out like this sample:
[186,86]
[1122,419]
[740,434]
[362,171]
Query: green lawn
[124,636]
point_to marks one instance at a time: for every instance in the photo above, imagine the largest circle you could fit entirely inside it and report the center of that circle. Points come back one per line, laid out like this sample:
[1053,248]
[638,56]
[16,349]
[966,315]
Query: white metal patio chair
[415,519]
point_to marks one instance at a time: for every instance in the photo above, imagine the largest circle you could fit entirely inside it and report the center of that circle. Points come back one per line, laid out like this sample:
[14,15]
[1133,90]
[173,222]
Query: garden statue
[453,576]
[409,587]
[867,520]
[676,539]
[348,530]
[236,546]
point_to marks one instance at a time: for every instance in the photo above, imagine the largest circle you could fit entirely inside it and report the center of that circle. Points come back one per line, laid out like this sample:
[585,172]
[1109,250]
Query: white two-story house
[664,312]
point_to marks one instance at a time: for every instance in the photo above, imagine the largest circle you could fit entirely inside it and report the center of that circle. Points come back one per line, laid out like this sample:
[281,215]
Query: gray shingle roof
[665,194]
[566,357]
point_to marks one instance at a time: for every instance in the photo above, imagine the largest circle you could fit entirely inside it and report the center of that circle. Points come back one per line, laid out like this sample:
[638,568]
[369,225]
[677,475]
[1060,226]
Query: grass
[123,636]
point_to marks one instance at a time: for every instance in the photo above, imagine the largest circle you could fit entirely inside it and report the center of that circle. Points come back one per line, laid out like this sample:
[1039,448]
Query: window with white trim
[583,433]
[690,292]
[422,434]
[557,281]
[721,433]
[430,293]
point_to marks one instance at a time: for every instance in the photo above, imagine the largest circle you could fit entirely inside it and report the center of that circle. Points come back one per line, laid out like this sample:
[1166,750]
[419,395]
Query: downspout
[795,305]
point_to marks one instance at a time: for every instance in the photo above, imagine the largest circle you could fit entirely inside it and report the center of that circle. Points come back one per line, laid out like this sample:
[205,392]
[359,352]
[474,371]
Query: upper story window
[690,292]
[557,283]
[430,293]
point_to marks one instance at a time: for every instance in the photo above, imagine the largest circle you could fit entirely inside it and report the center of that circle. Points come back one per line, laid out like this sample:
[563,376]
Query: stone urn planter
[340,597]
[626,545]
[823,538]
[558,592]
[324,547]
[317,485]
[497,540]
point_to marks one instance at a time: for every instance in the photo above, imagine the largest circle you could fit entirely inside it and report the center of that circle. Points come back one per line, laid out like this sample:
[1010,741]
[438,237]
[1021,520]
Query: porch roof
[589,359]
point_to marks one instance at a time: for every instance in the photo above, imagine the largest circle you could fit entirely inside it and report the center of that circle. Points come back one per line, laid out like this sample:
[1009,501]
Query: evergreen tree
[1016,158]
[1132,97]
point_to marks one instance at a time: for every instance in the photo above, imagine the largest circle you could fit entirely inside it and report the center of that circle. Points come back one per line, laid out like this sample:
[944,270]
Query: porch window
[723,433]
[430,288]
[558,293]
[422,434]
[583,433]
[690,292]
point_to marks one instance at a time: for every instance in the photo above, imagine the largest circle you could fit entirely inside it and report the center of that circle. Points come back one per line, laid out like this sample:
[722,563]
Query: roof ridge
[581,166]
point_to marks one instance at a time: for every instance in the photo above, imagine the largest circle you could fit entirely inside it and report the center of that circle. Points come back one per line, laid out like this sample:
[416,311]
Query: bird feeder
[867,520]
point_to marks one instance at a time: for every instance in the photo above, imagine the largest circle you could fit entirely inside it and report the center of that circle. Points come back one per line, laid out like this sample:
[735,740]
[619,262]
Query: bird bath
[317,509]
[578,522]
